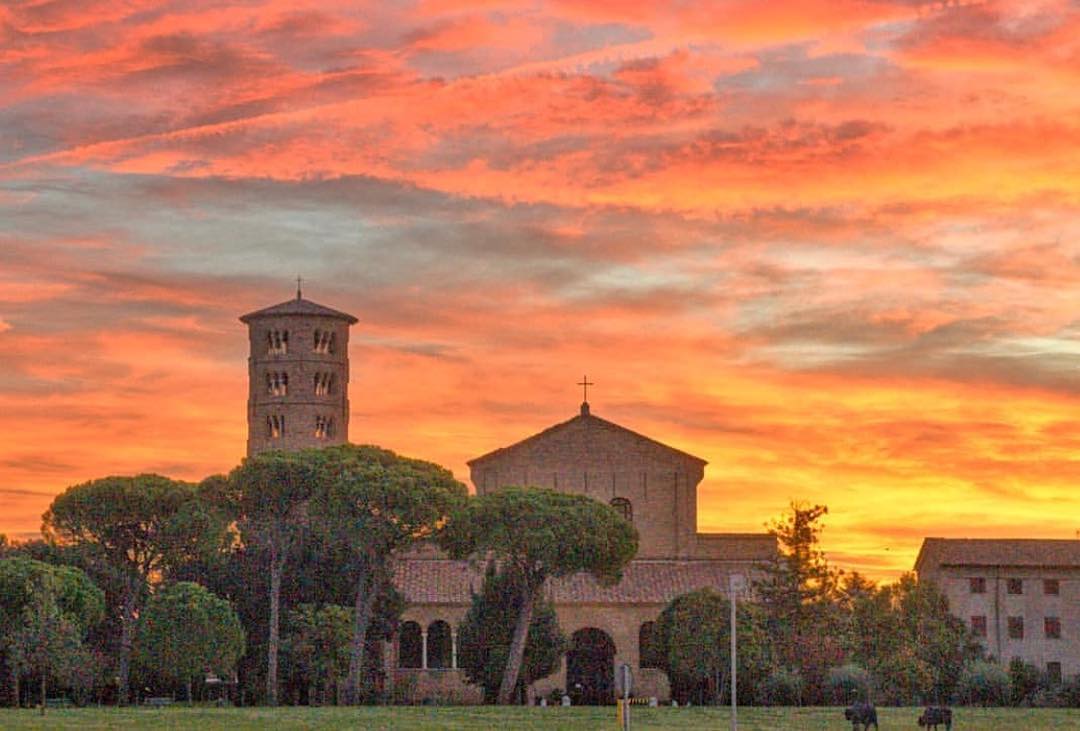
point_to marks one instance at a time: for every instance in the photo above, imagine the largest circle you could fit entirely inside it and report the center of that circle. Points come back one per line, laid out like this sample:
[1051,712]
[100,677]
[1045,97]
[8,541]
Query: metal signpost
[734,584]
[625,680]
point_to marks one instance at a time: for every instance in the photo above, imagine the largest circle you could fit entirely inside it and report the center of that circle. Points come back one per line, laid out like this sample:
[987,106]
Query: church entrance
[590,668]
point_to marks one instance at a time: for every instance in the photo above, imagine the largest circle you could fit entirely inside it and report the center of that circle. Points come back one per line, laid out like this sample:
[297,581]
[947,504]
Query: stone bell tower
[298,376]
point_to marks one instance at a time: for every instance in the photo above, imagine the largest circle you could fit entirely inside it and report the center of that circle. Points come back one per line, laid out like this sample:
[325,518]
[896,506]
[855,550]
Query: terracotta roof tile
[445,581]
[997,552]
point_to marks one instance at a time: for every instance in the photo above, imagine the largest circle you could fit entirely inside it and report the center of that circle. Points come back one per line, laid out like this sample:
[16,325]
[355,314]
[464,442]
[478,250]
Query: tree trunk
[190,699]
[365,600]
[127,630]
[517,646]
[15,685]
[43,675]
[276,569]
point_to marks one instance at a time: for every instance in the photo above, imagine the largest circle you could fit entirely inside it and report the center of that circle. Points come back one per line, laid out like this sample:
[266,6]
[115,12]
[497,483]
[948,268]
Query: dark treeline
[273,584]
[270,584]
[811,634]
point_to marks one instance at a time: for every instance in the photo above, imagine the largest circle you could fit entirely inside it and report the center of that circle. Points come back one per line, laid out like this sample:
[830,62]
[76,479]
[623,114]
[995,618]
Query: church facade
[652,484]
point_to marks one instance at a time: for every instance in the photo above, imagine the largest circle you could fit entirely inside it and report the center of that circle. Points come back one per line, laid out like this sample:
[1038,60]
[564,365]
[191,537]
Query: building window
[1014,586]
[1051,587]
[1052,628]
[649,654]
[324,384]
[410,646]
[1016,628]
[275,426]
[1053,673]
[324,427]
[978,625]
[324,342]
[978,585]
[277,342]
[439,645]
[624,508]
[277,384]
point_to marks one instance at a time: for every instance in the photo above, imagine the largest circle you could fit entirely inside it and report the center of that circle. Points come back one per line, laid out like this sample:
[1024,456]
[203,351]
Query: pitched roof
[446,581]
[998,552]
[583,420]
[298,306]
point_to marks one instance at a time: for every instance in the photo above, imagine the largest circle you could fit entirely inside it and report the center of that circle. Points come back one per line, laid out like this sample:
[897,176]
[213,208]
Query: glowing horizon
[830,246]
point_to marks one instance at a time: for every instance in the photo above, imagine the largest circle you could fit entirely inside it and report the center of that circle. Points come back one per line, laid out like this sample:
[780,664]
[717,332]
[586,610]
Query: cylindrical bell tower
[298,376]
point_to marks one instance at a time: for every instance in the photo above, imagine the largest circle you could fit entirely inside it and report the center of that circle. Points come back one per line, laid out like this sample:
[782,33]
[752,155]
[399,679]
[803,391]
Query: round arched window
[623,507]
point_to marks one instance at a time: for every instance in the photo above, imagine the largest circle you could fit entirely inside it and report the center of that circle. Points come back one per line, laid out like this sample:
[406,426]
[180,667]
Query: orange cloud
[831,246]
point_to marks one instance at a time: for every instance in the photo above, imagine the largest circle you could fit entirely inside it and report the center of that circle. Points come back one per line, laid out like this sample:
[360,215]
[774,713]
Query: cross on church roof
[299,281]
[584,389]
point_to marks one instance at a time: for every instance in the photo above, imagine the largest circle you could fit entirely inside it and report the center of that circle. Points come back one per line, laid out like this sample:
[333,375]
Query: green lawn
[513,719]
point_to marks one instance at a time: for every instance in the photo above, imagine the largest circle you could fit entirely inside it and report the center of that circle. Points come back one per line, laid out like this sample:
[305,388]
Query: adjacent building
[1021,597]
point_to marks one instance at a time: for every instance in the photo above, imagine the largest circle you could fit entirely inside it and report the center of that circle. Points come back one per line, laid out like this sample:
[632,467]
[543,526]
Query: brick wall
[590,456]
[301,363]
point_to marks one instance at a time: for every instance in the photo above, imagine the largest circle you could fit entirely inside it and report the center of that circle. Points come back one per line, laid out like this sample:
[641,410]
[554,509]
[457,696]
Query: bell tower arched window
[324,342]
[624,508]
[277,342]
[324,427]
[275,426]
[277,383]
[324,384]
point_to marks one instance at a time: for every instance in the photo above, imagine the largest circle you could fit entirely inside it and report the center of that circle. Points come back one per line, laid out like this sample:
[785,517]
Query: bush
[848,682]
[1024,679]
[781,688]
[985,684]
[1070,692]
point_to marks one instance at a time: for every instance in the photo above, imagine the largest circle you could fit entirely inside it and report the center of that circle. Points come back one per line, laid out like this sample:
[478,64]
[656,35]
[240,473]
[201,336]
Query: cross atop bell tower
[298,375]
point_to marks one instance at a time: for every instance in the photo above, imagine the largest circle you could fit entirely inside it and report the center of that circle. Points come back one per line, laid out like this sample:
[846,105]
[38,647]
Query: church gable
[588,442]
[650,483]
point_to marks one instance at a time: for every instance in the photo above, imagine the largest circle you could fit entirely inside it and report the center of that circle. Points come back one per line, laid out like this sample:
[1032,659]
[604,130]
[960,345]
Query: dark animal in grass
[934,715]
[861,716]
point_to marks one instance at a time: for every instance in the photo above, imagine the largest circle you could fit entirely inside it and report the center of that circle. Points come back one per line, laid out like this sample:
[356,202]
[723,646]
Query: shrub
[782,687]
[1024,679]
[985,684]
[848,683]
[1070,692]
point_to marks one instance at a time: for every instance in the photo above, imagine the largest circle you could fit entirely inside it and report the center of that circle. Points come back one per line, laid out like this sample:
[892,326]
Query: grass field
[513,719]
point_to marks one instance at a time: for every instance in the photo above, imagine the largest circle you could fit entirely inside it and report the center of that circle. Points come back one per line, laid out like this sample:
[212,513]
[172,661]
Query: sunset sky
[831,247]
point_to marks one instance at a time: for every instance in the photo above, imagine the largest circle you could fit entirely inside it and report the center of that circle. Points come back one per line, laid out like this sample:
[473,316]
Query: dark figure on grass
[934,715]
[861,715]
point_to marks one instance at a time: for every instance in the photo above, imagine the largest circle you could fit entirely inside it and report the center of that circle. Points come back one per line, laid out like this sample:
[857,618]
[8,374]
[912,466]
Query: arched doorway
[590,667]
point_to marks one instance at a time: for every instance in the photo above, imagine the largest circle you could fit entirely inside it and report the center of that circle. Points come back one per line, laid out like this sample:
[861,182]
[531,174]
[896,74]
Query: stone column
[423,649]
[453,648]
[390,663]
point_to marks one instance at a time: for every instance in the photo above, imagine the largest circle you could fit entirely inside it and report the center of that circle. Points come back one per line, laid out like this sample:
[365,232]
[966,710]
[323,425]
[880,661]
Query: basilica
[298,397]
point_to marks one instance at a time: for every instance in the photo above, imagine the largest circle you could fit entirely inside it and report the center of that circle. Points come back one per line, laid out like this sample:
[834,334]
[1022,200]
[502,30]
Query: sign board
[624,680]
